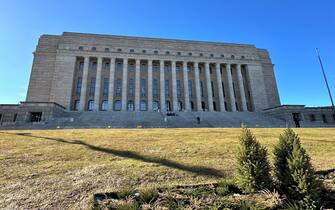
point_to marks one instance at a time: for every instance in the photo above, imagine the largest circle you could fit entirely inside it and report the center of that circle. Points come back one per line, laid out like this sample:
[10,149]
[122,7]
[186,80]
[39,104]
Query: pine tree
[282,150]
[253,165]
[295,173]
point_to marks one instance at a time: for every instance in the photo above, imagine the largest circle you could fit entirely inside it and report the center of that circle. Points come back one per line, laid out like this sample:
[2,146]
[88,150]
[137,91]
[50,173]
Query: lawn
[64,168]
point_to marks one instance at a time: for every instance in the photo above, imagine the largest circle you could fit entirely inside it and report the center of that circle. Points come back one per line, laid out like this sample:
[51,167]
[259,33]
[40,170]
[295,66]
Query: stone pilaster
[241,87]
[174,86]
[124,84]
[111,85]
[162,86]
[83,90]
[186,91]
[137,85]
[220,91]
[97,86]
[230,88]
[149,85]
[197,85]
[209,88]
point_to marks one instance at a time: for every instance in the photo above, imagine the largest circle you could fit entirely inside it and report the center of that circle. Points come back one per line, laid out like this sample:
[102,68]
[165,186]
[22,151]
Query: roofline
[150,39]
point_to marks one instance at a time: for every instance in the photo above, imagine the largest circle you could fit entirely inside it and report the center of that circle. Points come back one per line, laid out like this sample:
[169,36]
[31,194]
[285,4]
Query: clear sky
[289,29]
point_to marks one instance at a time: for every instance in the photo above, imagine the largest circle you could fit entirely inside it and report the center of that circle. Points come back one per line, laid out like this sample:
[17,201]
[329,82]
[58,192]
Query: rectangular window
[81,65]
[167,88]
[92,86]
[167,68]
[202,88]
[177,68]
[94,65]
[131,87]
[78,88]
[131,67]
[155,68]
[105,90]
[178,88]
[155,88]
[119,66]
[143,87]
[118,87]
[142,67]
[107,65]
[190,88]
[212,86]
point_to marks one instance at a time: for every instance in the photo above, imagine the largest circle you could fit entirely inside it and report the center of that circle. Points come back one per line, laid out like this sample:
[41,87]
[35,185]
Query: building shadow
[200,170]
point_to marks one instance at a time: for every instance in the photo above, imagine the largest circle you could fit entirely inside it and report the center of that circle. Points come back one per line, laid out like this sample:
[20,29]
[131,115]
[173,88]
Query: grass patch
[64,168]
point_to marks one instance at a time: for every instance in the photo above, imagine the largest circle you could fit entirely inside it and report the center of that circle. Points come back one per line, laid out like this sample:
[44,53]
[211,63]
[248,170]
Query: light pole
[325,78]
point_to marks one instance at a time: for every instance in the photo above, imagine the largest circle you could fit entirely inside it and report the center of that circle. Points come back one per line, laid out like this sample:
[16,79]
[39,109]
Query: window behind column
[92,86]
[190,88]
[105,88]
[81,65]
[104,105]
[202,88]
[178,88]
[117,105]
[94,65]
[143,105]
[78,87]
[90,105]
[131,87]
[130,106]
[143,87]
[155,88]
[167,88]
[155,106]
[118,87]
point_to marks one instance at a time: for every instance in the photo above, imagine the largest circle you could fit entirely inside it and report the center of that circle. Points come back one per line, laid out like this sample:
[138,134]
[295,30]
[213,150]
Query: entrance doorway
[35,116]
[296,119]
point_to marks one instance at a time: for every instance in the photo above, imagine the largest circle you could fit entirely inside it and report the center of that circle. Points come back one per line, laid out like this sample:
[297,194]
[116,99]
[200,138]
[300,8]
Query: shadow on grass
[200,170]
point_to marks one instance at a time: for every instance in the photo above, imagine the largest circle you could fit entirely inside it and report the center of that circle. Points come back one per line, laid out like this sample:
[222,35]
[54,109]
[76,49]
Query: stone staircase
[156,120]
[160,120]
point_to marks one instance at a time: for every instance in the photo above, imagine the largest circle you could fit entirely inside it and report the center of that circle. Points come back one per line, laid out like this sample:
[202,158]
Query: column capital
[149,62]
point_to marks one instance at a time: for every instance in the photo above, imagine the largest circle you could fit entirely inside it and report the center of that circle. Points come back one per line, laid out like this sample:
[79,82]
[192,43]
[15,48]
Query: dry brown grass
[63,168]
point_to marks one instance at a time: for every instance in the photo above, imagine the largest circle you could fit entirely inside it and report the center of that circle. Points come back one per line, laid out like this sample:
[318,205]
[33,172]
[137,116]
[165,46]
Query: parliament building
[79,77]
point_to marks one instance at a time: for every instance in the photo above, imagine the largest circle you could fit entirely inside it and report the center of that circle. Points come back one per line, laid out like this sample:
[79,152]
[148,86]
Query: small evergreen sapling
[252,164]
[295,173]
[281,151]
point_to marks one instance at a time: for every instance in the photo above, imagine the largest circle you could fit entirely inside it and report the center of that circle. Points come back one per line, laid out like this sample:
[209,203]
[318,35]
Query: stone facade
[90,80]
[104,72]
[306,116]
[30,112]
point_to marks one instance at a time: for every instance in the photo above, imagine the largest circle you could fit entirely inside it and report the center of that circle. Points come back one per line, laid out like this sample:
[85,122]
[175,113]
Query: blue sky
[289,29]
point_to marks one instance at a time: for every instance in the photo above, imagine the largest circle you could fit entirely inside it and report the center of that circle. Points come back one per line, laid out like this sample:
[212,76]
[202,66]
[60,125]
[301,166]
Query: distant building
[84,73]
